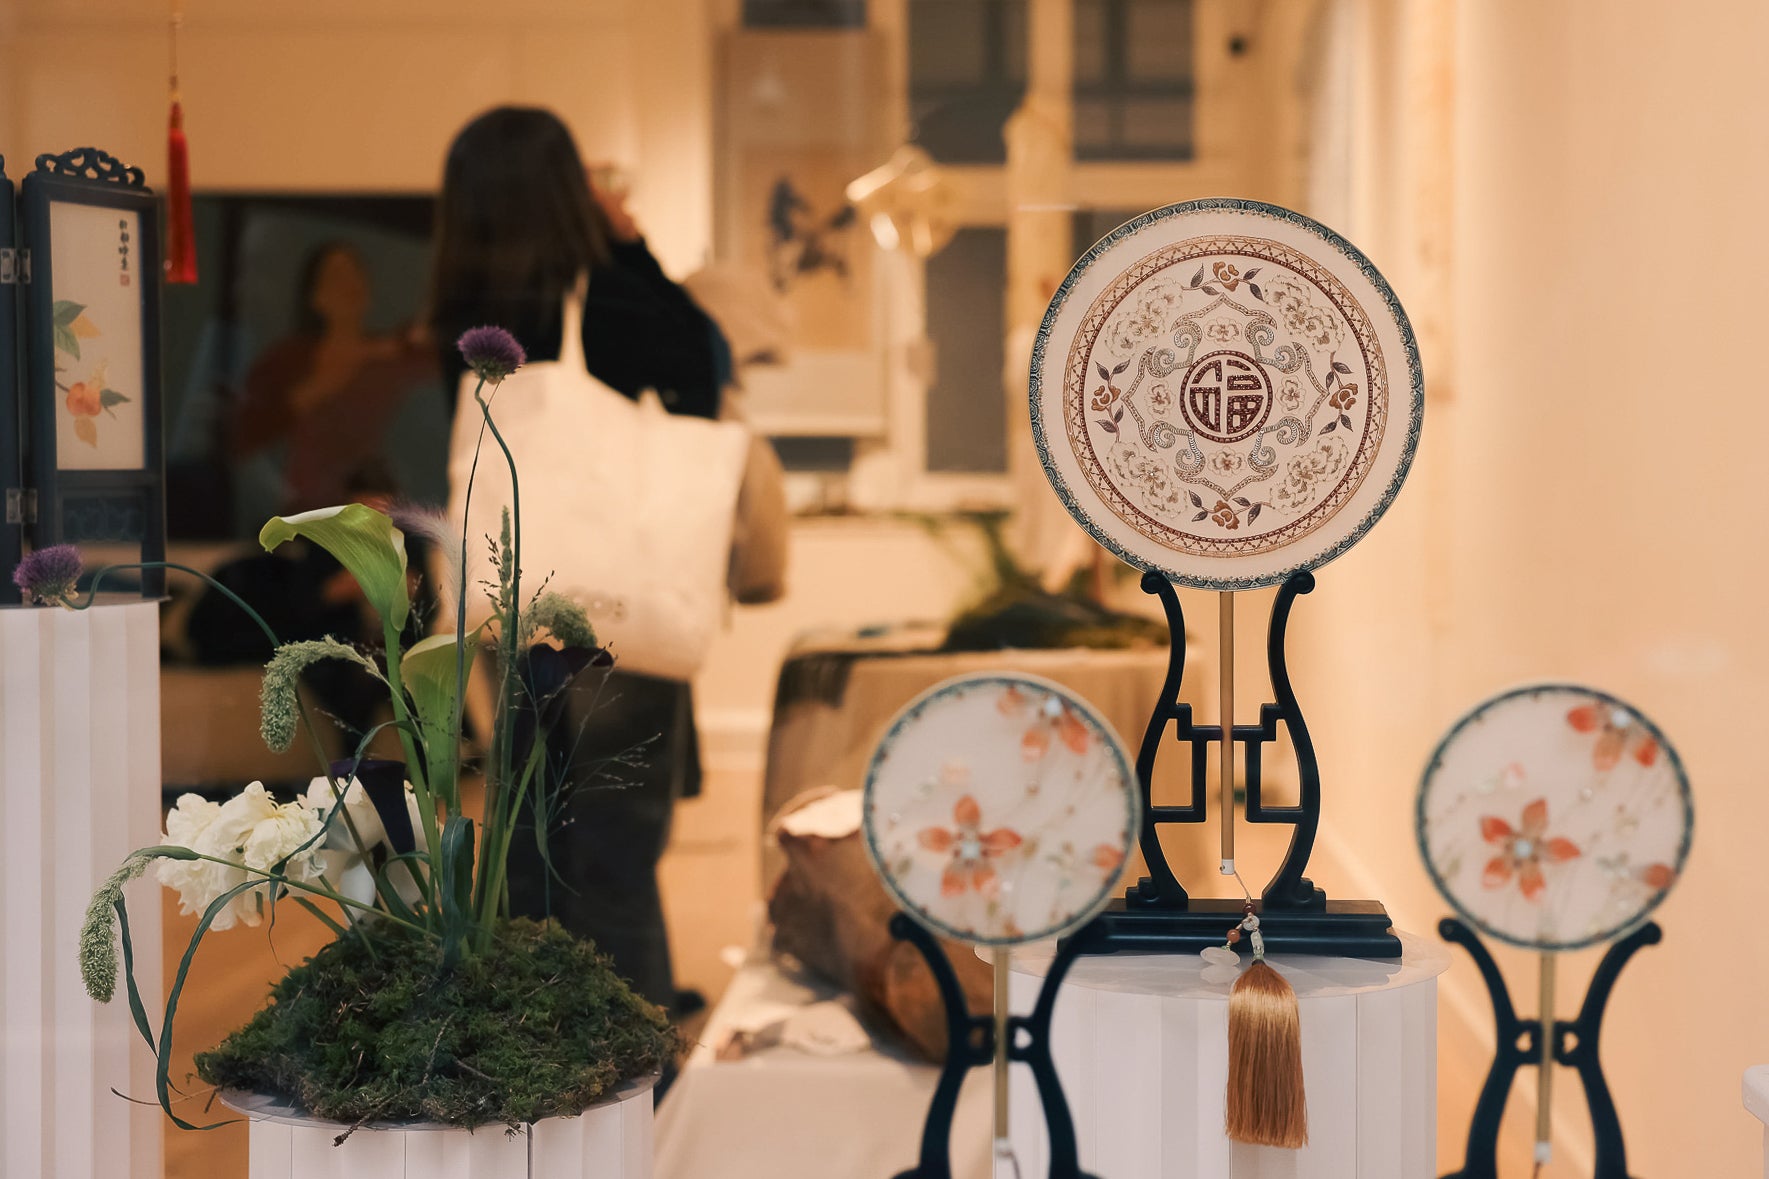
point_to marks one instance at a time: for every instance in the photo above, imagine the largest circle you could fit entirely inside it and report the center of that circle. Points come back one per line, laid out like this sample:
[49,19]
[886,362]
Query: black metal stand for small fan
[1156,914]
[1520,1044]
[970,1043]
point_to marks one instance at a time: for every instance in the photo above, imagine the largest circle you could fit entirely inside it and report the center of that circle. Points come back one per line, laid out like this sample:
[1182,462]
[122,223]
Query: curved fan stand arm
[1519,1044]
[970,1043]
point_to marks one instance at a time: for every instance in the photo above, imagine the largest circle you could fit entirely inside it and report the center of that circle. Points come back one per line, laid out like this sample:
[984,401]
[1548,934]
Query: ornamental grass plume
[491,352]
[279,697]
[49,575]
[98,933]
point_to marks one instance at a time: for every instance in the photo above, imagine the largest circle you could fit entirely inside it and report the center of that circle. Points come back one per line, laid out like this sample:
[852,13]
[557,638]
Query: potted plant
[430,1006]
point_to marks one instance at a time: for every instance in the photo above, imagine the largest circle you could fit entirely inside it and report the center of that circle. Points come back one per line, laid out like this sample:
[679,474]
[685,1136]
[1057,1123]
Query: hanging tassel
[181,242]
[1267,1105]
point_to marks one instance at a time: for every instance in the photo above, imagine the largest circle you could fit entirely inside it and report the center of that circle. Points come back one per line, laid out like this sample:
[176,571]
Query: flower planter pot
[610,1140]
[80,773]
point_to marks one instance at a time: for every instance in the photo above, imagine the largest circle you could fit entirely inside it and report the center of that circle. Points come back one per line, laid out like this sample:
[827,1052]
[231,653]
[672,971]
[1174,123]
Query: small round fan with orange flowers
[1554,817]
[1000,809]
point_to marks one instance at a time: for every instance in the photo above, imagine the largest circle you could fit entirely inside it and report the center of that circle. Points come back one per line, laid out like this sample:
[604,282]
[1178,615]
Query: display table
[780,1113]
[835,697]
[1141,1044]
[1756,1100]
[80,773]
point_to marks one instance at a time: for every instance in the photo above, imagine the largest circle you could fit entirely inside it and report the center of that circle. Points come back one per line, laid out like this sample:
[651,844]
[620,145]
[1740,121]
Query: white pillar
[80,783]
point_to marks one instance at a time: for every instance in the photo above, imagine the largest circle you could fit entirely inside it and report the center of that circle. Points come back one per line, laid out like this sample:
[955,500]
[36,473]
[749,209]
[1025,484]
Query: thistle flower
[491,352]
[279,699]
[49,575]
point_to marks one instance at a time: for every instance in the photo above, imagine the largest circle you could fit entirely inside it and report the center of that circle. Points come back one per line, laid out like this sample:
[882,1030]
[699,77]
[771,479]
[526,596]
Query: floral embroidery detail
[1303,319]
[1224,516]
[1058,718]
[1226,274]
[970,849]
[1343,398]
[1615,729]
[1160,398]
[1226,462]
[1107,859]
[1290,394]
[1221,330]
[1150,319]
[1657,877]
[1524,851]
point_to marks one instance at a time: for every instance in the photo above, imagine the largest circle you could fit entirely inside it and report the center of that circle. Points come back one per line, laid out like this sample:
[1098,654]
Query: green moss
[538,1026]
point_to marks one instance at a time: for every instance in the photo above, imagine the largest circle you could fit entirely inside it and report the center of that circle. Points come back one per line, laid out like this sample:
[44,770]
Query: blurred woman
[518,227]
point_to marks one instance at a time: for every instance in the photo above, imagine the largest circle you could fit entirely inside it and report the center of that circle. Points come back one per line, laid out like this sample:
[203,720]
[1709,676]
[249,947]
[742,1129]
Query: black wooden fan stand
[1156,914]
[970,1043]
[1519,1043]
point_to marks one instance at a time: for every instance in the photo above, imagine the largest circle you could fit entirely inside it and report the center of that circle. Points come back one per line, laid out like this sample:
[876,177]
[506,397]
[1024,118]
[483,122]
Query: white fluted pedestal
[1756,1101]
[1141,1044]
[80,784]
[610,1140]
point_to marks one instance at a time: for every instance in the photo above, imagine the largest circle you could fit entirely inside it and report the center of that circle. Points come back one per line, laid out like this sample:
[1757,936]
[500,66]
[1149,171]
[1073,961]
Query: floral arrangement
[462,1014]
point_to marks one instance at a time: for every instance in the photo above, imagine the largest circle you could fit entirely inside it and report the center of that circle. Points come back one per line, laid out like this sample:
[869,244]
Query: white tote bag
[626,508]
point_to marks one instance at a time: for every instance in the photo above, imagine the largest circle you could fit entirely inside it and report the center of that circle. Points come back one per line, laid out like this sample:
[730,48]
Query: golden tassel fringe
[1266,1102]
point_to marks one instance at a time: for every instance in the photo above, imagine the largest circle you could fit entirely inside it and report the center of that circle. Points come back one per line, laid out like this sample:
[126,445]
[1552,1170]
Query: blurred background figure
[518,227]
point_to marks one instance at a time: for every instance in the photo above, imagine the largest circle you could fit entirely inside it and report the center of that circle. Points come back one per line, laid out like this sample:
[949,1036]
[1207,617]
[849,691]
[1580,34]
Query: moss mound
[537,1027]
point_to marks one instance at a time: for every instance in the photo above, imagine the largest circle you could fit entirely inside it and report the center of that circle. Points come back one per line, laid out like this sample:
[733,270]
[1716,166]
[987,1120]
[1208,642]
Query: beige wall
[335,94]
[1586,505]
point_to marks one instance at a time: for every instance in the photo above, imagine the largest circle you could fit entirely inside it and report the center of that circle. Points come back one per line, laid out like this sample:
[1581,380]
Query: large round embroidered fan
[1554,817]
[1225,392]
[1000,809]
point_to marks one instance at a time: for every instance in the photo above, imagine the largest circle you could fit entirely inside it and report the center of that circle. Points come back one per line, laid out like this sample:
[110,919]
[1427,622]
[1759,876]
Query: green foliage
[536,1026]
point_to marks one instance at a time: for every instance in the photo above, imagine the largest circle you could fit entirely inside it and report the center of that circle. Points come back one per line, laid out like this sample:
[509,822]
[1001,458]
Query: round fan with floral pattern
[1555,817]
[1000,809]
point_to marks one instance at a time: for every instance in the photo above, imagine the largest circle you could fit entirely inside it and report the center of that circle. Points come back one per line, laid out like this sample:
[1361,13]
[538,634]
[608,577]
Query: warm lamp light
[907,202]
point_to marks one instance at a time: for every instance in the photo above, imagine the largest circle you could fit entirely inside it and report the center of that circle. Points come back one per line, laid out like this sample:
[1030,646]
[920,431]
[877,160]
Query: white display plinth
[611,1140]
[1756,1100]
[1141,1044]
[80,780]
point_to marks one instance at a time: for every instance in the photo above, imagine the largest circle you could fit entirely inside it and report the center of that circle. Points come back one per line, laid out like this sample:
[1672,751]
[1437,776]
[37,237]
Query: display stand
[1157,914]
[1519,1043]
[970,1043]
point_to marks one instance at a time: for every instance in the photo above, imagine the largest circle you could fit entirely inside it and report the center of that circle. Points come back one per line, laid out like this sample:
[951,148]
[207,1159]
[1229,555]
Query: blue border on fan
[1478,712]
[912,711]
[1415,374]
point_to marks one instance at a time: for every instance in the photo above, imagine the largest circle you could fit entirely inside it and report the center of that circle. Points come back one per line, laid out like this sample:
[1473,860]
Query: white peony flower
[249,830]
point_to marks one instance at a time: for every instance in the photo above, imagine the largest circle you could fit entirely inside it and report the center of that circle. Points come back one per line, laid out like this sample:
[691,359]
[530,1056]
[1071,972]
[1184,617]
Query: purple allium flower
[49,575]
[491,352]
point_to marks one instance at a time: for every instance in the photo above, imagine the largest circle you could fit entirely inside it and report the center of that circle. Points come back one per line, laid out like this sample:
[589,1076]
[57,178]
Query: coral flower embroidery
[1615,730]
[1524,851]
[1107,859]
[970,848]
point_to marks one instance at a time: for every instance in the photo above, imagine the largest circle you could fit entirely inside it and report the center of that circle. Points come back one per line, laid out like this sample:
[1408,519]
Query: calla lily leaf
[429,670]
[364,541]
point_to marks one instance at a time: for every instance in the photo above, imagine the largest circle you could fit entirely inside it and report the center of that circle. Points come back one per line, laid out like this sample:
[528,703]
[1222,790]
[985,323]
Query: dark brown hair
[516,223]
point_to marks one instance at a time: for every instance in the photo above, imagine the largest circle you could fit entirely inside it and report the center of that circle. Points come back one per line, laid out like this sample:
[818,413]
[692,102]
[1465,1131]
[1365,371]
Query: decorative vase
[610,1140]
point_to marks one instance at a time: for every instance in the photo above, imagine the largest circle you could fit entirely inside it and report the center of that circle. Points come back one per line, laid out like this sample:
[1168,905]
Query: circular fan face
[1225,392]
[1000,809]
[1554,817]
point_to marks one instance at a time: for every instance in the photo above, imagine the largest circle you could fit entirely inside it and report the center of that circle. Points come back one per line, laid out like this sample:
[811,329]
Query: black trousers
[624,752]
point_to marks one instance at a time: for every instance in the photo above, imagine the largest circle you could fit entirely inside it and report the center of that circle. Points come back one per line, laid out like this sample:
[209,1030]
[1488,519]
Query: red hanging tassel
[181,242]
